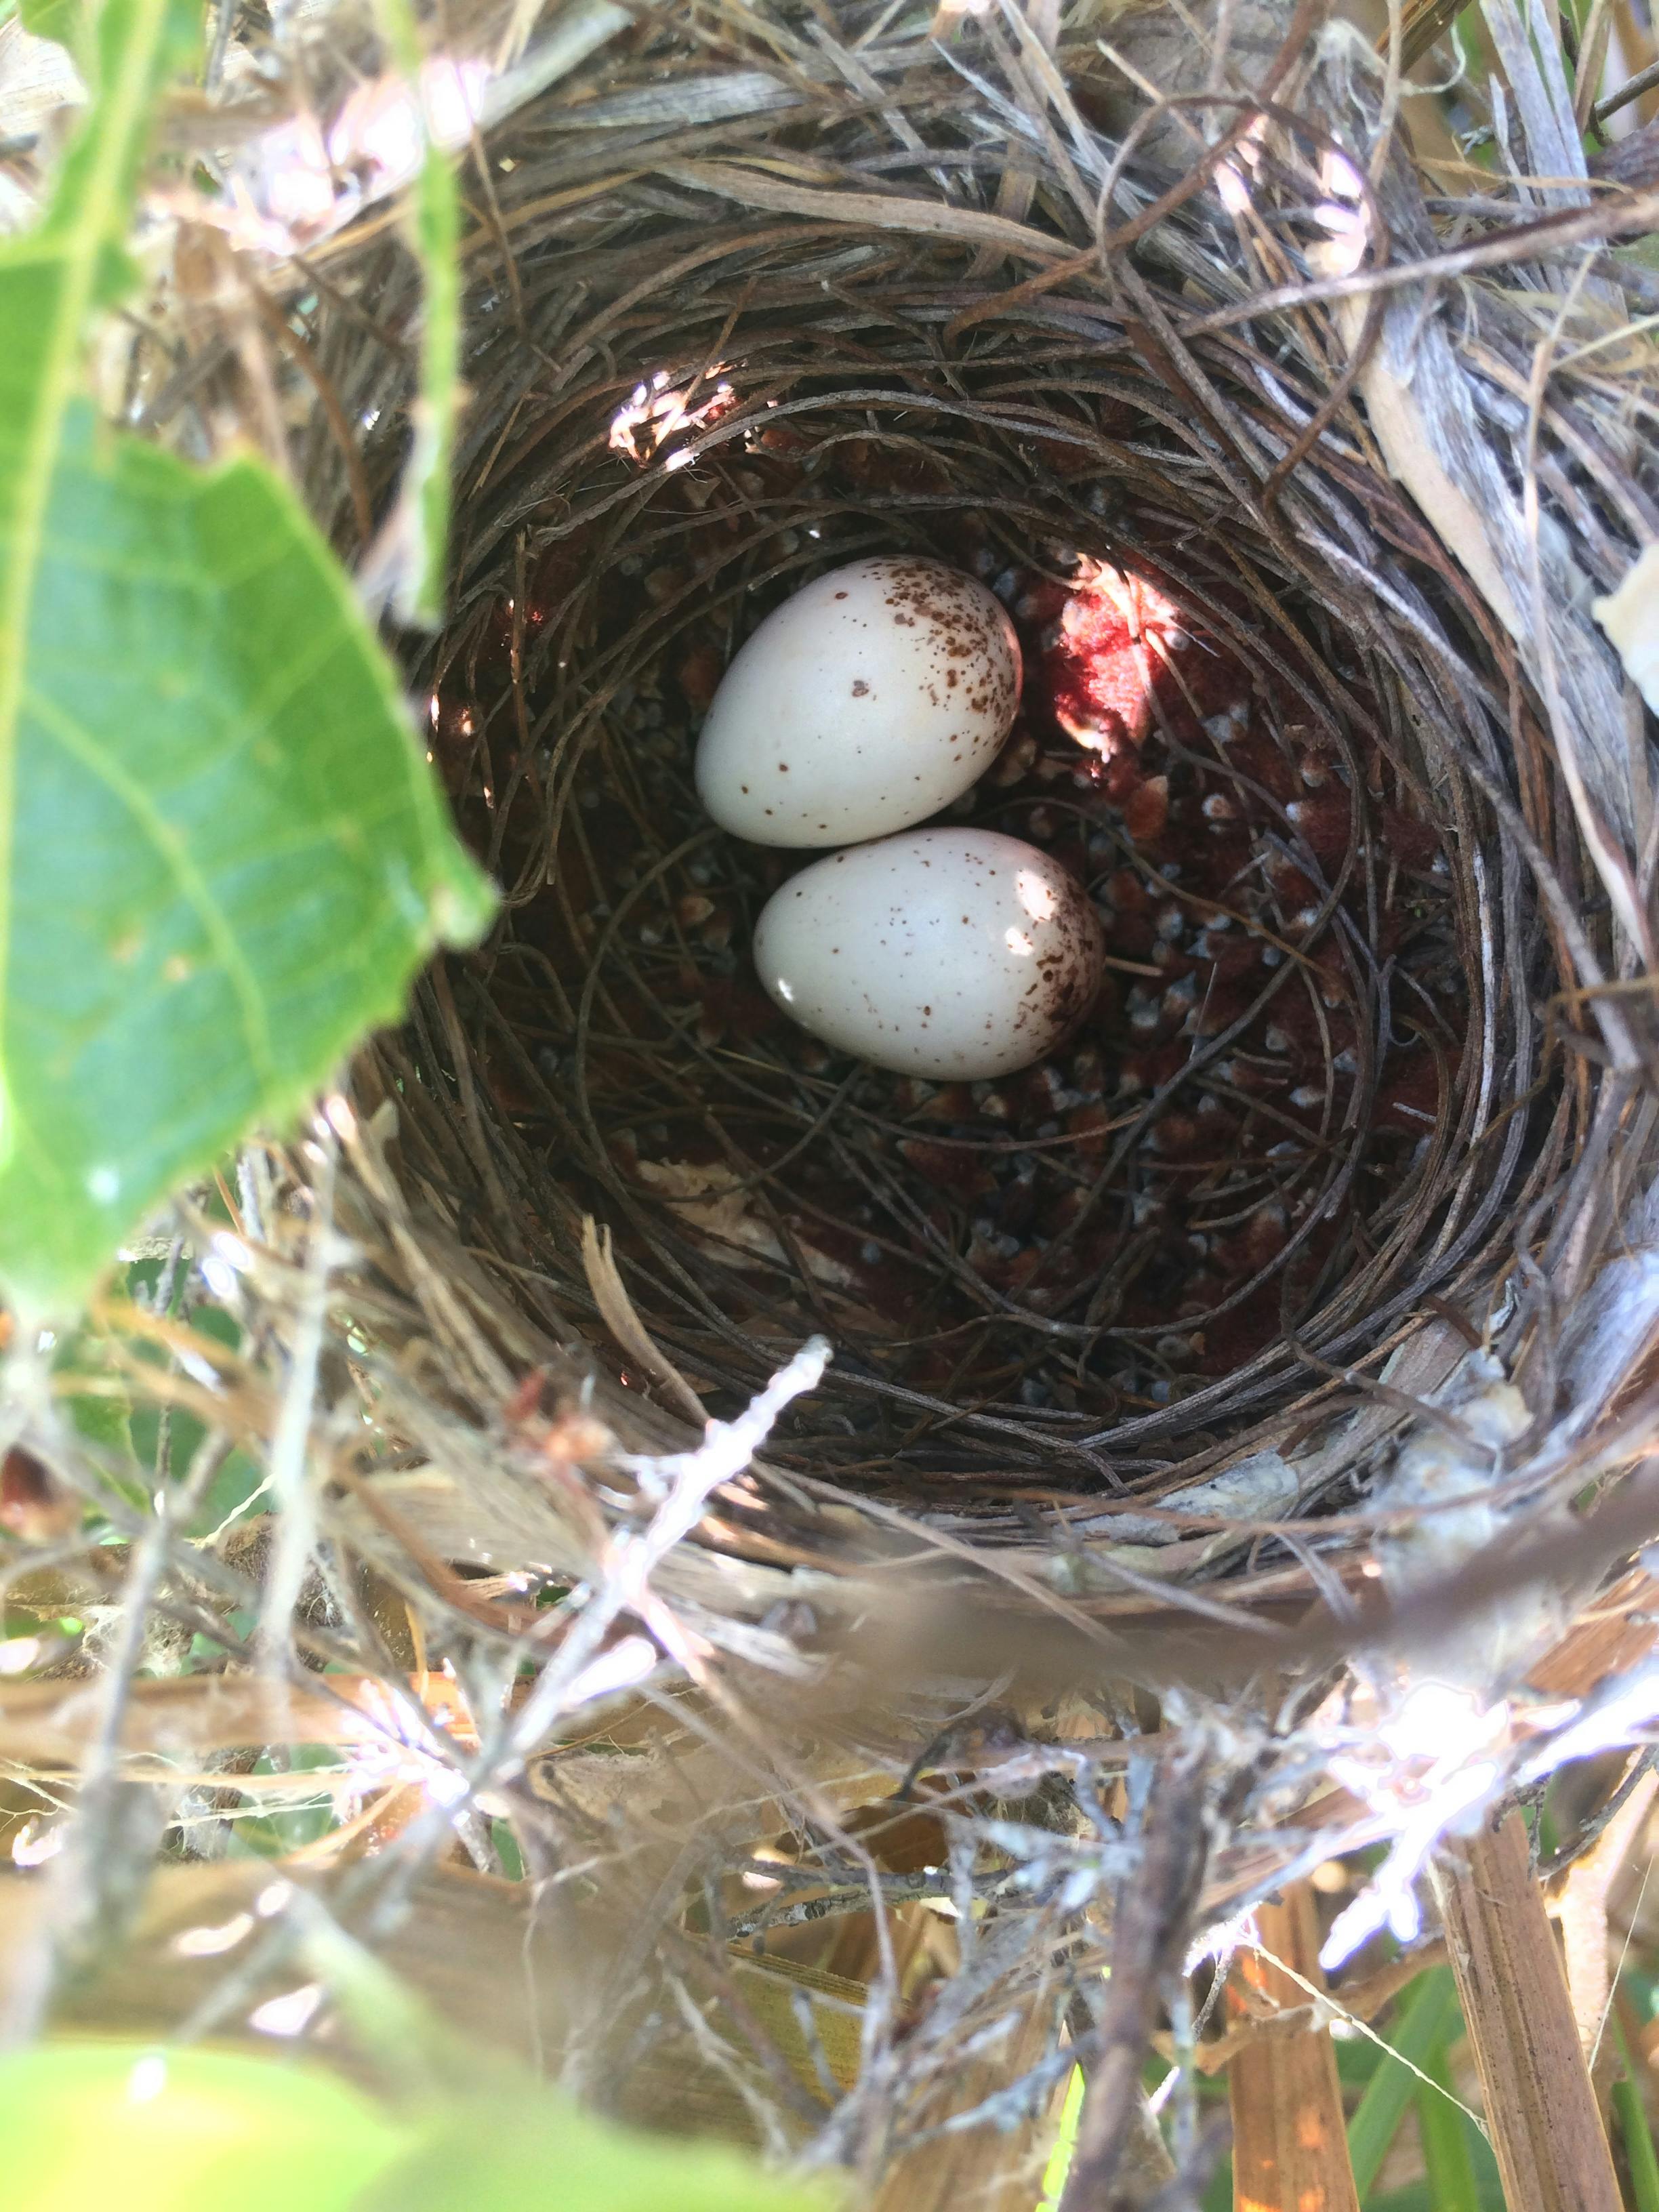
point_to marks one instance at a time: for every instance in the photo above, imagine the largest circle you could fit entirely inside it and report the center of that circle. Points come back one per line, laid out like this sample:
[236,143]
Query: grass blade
[1639,2146]
[1428,2022]
[1639,2152]
[1445,2135]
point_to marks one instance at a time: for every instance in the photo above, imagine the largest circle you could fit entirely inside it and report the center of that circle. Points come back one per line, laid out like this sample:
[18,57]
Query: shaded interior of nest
[1259,715]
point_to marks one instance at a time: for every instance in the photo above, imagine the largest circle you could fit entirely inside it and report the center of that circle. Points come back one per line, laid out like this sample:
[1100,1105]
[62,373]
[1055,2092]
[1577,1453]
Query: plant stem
[1152,1915]
[1290,2149]
[1552,2152]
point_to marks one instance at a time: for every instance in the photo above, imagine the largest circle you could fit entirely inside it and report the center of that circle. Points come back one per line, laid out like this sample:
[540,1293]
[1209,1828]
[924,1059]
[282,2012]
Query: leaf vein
[175,850]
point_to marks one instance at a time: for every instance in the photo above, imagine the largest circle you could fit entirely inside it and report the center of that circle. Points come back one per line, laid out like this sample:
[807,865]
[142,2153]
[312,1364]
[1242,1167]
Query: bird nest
[1349,775]
[1304,467]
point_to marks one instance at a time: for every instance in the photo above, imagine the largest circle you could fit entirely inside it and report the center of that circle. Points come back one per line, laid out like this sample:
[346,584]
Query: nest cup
[739,311]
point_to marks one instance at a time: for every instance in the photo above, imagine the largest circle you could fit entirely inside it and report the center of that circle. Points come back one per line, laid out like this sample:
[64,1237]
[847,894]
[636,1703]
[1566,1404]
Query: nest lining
[1248,1175]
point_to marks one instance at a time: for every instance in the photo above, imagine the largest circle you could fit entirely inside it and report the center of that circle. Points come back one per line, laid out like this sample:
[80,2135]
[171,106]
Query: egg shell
[873,698]
[954,953]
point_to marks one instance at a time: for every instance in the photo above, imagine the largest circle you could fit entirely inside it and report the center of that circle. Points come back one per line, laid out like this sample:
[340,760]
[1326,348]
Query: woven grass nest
[1343,1076]
[1193,1403]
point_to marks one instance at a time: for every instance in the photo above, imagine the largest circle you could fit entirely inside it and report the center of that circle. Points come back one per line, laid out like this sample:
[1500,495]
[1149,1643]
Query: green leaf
[63,20]
[234,1492]
[1428,2020]
[503,2155]
[102,1414]
[93,2124]
[223,854]
[115,2123]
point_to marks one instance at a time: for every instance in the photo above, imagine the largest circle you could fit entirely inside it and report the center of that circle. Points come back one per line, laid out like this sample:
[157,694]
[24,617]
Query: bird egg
[869,701]
[950,953]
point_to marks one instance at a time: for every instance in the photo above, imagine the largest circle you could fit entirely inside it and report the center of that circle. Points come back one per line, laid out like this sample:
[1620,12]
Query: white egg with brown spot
[950,953]
[869,701]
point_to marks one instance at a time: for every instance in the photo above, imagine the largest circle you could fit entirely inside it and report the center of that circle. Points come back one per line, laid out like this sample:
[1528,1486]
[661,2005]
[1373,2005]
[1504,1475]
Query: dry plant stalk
[993,2172]
[1541,2105]
[1290,2139]
[1151,1918]
[1580,1905]
[48,1725]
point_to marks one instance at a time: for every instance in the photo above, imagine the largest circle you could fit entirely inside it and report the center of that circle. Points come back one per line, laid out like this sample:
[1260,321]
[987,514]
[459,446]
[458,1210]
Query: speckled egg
[873,698]
[953,953]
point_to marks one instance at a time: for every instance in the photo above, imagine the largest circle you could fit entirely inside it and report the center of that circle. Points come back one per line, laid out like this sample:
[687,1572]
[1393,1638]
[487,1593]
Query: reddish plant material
[1099,674]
